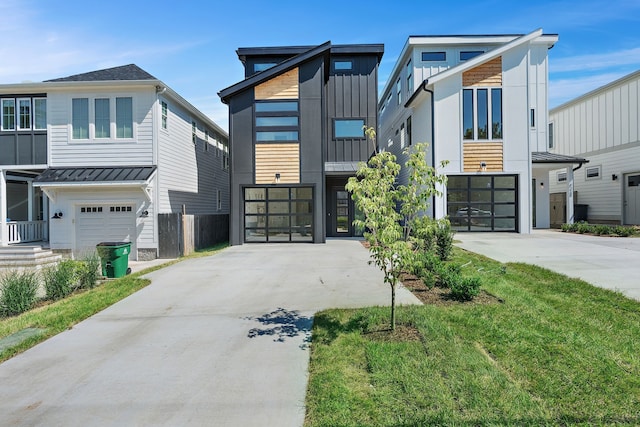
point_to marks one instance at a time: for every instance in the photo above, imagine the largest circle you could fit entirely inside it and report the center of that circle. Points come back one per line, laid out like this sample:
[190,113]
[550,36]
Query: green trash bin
[115,258]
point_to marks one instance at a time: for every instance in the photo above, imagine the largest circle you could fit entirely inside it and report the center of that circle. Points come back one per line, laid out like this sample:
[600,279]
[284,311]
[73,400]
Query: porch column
[570,194]
[30,200]
[4,238]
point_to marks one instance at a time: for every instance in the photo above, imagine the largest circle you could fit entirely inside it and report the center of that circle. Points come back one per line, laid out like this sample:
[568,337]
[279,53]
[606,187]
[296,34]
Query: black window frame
[277,113]
[342,61]
[469,54]
[349,119]
[440,56]
[472,111]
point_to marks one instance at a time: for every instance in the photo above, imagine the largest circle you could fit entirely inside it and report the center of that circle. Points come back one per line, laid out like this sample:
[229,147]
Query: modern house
[602,126]
[296,135]
[480,101]
[99,156]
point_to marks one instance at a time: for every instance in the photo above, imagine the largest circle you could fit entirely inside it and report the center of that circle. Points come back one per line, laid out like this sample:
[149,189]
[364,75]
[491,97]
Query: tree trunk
[393,307]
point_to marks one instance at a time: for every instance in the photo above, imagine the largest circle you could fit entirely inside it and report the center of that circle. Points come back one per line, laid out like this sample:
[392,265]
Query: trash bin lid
[113,243]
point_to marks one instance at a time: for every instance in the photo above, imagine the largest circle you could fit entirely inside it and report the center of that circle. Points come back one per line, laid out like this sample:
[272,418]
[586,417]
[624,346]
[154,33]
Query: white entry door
[632,199]
[104,223]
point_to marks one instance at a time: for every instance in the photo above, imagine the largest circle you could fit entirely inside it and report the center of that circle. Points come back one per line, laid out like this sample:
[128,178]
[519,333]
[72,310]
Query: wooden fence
[181,234]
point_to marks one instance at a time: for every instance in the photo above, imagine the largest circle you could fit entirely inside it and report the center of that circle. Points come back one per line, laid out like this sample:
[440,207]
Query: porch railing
[26,231]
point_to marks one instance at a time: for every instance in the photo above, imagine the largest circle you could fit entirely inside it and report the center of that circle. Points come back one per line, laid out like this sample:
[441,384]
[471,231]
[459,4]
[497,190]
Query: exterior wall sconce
[278,178]
[614,177]
[57,215]
[483,166]
[144,214]
[542,185]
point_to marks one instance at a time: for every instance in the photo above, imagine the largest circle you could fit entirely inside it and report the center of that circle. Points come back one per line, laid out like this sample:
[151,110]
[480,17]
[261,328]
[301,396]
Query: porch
[26,232]
[23,209]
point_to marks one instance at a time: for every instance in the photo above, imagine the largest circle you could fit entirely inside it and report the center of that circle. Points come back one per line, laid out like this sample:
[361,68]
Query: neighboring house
[604,127]
[99,156]
[296,135]
[480,101]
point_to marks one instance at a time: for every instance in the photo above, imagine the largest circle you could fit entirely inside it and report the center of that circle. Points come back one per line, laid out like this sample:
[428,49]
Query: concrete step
[27,256]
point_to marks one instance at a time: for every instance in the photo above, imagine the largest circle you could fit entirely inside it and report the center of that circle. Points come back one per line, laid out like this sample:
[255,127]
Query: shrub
[583,227]
[601,229]
[465,288]
[444,239]
[447,274]
[623,231]
[61,280]
[18,292]
[89,271]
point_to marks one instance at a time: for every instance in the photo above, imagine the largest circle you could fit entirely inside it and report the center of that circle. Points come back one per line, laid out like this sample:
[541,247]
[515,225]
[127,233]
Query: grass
[556,351]
[58,316]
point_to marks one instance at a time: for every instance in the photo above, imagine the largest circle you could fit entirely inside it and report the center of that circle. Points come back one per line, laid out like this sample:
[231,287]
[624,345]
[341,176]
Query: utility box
[114,258]
[580,212]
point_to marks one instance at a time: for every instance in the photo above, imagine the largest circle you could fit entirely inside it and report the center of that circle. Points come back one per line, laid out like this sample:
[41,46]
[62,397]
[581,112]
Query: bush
[89,271]
[444,239]
[18,292]
[61,280]
[622,231]
[465,288]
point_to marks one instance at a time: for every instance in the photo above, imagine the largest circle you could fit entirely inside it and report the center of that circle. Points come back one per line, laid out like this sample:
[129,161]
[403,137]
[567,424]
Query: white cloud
[596,61]
[564,90]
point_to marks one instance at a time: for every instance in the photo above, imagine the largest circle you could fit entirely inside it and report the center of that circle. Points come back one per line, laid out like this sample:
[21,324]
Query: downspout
[433,143]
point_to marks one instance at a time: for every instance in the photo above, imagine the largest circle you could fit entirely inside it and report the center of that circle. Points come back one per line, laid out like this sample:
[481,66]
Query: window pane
[276,106]
[550,135]
[302,193]
[505,223]
[255,207]
[483,105]
[343,65]
[165,113]
[454,181]
[40,113]
[480,196]
[279,207]
[8,114]
[24,106]
[278,193]
[505,210]
[261,66]
[124,118]
[103,118]
[505,196]
[277,121]
[496,113]
[434,56]
[255,193]
[277,136]
[349,129]
[80,118]
[278,221]
[301,207]
[467,113]
[504,182]
[480,182]
[464,56]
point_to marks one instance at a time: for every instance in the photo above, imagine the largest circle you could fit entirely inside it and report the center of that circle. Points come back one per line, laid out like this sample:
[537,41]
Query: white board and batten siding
[66,151]
[190,174]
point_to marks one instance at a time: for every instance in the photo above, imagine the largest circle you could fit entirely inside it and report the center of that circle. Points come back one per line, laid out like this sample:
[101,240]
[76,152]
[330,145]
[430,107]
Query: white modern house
[602,126]
[480,101]
[98,156]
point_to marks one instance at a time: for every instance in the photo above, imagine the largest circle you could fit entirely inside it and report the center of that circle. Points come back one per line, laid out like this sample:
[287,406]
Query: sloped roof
[102,175]
[546,157]
[124,72]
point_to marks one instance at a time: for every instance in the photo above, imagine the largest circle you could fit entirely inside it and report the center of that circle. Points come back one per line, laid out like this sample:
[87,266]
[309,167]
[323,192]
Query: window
[532,117]
[476,105]
[343,65]
[261,66]
[40,113]
[434,56]
[124,118]
[593,172]
[561,177]
[409,79]
[219,200]
[165,114]
[102,118]
[466,55]
[551,135]
[225,161]
[277,121]
[80,118]
[8,114]
[24,114]
[194,133]
[402,136]
[399,91]
[409,130]
[348,128]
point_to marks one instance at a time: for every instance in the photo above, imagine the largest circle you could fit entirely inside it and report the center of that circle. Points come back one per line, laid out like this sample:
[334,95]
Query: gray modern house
[296,134]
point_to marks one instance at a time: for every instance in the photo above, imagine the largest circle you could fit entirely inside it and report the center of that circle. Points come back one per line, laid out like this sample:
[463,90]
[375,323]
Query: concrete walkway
[216,341]
[608,262]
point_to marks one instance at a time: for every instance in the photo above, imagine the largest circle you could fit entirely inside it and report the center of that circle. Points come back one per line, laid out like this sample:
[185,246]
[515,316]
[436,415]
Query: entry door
[557,209]
[341,212]
[632,199]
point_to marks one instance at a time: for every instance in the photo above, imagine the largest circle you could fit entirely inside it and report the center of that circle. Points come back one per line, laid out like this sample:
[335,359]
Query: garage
[104,223]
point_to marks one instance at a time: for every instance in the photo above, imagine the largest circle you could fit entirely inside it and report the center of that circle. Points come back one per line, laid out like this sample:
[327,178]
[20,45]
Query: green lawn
[556,351]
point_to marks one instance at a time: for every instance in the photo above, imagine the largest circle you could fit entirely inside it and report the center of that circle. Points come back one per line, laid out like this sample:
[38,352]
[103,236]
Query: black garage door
[483,202]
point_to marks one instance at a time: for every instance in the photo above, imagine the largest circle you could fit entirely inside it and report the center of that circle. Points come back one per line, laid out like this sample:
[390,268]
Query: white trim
[18,118]
[598,168]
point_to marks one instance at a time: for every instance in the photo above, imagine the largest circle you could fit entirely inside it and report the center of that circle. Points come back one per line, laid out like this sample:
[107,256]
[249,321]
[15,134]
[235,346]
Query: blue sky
[190,45]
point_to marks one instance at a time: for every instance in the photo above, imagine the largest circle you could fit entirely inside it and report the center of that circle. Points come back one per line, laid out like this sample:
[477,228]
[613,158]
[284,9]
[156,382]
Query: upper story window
[277,121]
[8,114]
[164,114]
[434,56]
[409,68]
[194,132]
[399,91]
[343,65]
[482,114]
[24,113]
[550,135]
[261,66]
[348,128]
[409,130]
[80,118]
[102,118]
[40,113]
[124,117]
[466,55]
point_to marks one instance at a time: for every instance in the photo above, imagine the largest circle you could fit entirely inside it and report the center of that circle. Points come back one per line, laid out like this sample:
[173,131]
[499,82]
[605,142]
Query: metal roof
[102,175]
[124,72]
[546,157]
[338,168]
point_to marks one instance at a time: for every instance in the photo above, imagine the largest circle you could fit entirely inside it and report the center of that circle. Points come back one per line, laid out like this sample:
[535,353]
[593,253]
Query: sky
[191,45]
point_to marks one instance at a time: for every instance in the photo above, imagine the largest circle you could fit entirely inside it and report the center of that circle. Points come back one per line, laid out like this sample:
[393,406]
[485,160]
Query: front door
[557,209]
[340,213]
[632,199]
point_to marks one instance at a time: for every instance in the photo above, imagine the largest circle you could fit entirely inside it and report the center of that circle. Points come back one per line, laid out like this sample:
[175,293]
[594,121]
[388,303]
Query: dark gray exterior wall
[241,159]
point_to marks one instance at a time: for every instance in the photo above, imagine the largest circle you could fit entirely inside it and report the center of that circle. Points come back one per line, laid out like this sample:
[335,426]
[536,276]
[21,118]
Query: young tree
[388,231]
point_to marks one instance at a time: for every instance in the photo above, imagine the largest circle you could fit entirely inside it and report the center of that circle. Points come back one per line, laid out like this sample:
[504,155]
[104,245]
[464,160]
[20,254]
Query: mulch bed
[441,296]
[402,333]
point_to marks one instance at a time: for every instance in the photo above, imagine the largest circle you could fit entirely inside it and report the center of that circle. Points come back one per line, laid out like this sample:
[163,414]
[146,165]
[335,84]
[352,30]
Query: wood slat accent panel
[476,152]
[284,86]
[278,158]
[487,74]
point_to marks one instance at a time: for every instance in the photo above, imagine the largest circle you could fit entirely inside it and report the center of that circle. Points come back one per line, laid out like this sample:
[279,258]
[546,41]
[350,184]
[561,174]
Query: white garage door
[104,223]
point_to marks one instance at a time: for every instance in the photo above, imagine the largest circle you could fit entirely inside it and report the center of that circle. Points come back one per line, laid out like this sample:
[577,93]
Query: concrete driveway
[216,341]
[608,262]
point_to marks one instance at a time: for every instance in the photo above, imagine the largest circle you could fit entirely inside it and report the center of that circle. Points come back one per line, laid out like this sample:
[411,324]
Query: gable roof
[124,72]
[276,70]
